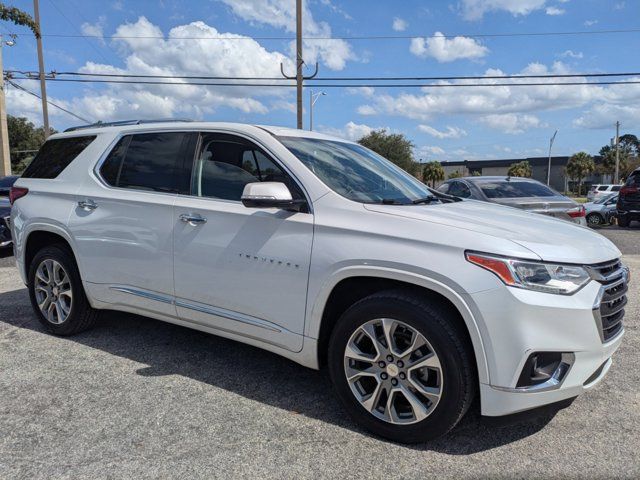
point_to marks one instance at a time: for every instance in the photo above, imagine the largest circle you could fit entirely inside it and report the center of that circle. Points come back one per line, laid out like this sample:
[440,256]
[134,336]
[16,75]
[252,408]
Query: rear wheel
[595,219]
[56,292]
[623,221]
[401,367]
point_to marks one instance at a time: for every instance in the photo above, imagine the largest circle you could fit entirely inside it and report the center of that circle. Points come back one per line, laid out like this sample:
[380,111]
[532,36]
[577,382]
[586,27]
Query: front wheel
[401,367]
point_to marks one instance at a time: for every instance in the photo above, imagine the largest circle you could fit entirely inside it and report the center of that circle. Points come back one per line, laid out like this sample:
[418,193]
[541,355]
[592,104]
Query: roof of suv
[134,125]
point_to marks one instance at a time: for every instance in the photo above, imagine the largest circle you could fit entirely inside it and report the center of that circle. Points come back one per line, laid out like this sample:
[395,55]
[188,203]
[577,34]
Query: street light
[313,98]
[549,167]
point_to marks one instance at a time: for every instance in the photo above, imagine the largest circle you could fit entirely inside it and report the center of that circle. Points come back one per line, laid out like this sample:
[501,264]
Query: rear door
[123,220]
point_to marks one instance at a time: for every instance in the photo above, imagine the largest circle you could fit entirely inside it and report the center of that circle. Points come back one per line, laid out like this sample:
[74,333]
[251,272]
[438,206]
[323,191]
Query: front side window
[56,155]
[226,163]
[148,161]
[356,172]
[516,189]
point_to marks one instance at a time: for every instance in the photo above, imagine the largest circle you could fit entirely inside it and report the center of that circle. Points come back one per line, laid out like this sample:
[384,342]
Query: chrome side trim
[554,382]
[158,297]
[229,314]
[198,307]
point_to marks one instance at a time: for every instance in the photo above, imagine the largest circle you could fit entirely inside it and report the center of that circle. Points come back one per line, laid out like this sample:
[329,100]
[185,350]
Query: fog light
[544,368]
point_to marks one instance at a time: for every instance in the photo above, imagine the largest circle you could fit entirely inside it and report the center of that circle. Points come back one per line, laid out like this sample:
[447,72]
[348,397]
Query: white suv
[319,250]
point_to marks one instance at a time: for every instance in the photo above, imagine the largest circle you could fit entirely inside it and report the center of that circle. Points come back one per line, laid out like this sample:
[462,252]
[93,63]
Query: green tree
[24,141]
[520,169]
[18,17]
[456,174]
[476,173]
[608,165]
[433,172]
[579,166]
[395,147]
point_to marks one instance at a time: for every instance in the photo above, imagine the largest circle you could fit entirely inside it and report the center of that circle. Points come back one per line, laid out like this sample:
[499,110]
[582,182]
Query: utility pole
[299,61]
[299,77]
[616,177]
[43,85]
[5,165]
[549,168]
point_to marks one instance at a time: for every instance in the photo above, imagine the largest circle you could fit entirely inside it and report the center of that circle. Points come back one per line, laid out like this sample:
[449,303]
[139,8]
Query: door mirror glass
[269,195]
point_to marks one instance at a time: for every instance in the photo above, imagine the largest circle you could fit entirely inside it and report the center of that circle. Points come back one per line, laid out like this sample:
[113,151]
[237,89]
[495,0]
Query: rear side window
[515,189]
[150,161]
[616,188]
[633,180]
[56,155]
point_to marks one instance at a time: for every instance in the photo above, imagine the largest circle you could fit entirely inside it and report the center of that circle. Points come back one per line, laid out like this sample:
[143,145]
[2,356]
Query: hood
[550,239]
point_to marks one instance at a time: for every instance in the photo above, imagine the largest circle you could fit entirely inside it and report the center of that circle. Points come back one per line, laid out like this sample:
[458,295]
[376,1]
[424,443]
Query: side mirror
[269,195]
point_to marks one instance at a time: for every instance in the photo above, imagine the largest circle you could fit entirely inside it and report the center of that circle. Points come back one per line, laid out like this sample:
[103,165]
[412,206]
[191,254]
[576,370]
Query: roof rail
[123,123]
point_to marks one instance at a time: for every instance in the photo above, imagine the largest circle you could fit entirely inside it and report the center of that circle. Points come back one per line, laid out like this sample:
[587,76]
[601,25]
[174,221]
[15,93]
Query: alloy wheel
[53,291]
[594,219]
[393,371]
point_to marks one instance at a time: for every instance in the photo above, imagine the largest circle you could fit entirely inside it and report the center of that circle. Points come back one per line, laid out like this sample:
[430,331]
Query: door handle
[192,219]
[87,204]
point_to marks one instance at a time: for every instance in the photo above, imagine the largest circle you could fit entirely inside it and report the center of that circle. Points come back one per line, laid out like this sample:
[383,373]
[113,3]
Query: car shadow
[255,374]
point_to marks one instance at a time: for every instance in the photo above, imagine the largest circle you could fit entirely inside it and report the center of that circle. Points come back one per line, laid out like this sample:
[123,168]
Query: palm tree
[433,172]
[579,166]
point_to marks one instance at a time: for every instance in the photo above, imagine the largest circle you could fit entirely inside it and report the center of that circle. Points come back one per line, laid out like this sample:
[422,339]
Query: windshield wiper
[429,199]
[391,201]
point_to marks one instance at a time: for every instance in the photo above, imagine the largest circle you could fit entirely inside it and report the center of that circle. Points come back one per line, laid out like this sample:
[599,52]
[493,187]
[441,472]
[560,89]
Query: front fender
[313,324]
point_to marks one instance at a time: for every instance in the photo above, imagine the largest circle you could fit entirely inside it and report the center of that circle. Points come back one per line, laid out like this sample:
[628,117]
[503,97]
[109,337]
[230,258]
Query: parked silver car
[518,192]
[602,211]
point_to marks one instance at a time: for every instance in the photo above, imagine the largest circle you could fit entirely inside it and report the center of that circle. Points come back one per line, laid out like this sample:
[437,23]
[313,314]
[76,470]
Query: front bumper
[518,322]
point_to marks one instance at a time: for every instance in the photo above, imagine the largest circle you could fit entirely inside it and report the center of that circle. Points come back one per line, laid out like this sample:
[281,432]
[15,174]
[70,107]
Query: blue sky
[444,123]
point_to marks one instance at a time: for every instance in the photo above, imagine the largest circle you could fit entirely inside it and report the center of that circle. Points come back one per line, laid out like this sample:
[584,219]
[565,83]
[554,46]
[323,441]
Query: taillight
[577,212]
[628,189]
[17,192]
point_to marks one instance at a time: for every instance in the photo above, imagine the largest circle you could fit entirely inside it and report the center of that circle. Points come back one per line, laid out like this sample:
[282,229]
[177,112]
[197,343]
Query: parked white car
[319,250]
[602,211]
[599,191]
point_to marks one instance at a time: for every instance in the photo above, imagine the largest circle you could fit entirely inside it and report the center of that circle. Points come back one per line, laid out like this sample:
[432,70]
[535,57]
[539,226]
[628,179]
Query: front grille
[612,298]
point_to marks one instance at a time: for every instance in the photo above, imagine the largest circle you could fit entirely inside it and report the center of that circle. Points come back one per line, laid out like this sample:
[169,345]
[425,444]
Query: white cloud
[475,9]
[511,123]
[366,110]
[351,131]
[447,50]
[450,132]
[364,91]
[226,57]
[589,23]
[571,54]
[334,53]
[399,25]
[619,6]
[22,104]
[429,103]
[554,11]
[427,150]
[616,103]
[95,30]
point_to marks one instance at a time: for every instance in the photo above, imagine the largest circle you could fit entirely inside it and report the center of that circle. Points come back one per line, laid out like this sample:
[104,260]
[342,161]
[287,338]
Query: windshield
[606,198]
[515,188]
[356,172]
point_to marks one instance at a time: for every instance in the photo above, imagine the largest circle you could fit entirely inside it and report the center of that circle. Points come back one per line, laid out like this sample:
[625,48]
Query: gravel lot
[136,398]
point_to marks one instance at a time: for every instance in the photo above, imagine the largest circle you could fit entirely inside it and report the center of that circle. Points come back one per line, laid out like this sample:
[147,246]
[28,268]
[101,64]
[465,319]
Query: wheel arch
[37,236]
[351,284]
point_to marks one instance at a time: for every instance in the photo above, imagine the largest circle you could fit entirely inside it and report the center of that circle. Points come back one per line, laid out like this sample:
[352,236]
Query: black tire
[81,315]
[434,321]
[623,221]
[595,220]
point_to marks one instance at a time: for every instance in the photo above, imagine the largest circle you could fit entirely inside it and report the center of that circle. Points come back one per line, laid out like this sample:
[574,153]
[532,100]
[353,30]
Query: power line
[349,37]
[20,87]
[55,74]
[76,29]
[338,85]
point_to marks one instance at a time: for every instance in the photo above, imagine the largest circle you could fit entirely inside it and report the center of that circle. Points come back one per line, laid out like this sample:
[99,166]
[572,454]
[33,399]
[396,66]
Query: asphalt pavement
[137,398]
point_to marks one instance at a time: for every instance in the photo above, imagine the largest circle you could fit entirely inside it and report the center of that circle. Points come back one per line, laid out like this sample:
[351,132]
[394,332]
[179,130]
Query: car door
[123,222]
[242,271]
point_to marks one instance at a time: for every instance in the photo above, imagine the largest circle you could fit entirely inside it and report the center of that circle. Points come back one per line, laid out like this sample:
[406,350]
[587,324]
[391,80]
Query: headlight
[539,276]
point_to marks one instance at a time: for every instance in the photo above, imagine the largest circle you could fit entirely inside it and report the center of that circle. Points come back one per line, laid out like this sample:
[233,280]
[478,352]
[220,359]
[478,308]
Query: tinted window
[8,181]
[615,188]
[55,155]
[149,161]
[602,188]
[225,164]
[511,189]
[444,188]
[459,189]
[634,179]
